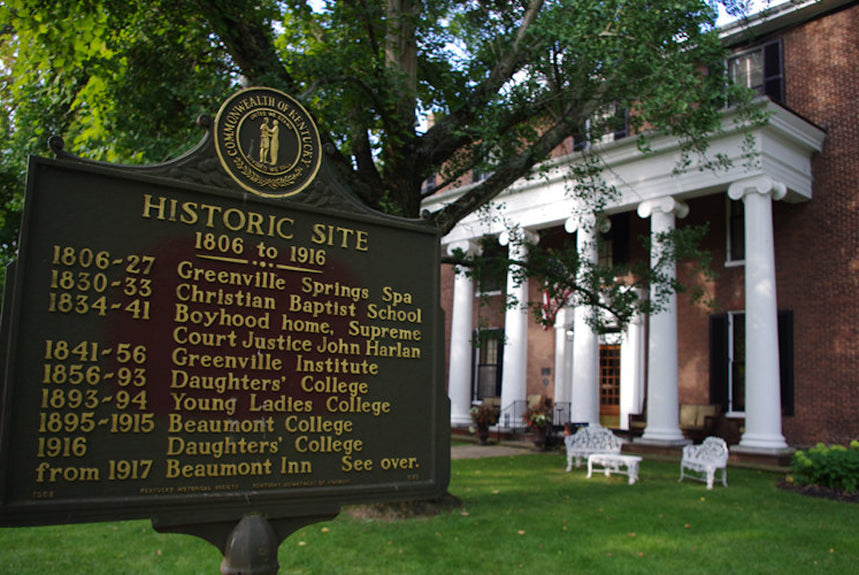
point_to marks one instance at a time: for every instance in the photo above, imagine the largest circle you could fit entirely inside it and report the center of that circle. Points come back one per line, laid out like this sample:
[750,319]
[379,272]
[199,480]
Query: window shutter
[785,353]
[719,360]
[620,235]
[500,372]
[773,71]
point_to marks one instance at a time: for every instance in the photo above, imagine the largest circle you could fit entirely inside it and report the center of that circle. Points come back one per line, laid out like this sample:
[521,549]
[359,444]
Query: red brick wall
[817,245]
[541,352]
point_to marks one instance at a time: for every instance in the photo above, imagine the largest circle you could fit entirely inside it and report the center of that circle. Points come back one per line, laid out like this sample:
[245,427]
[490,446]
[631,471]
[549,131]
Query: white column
[461,349]
[563,356]
[632,362]
[663,406]
[585,398]
[515,365]
[763,386]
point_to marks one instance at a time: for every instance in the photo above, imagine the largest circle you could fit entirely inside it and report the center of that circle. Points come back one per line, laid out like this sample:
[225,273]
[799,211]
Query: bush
[833,466]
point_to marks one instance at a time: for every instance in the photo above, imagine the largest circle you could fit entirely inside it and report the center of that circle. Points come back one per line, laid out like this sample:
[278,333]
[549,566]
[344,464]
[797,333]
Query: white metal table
[615,463]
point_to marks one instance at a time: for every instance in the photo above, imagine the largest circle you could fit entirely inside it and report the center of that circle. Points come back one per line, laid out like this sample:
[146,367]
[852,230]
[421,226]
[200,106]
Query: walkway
[475,451]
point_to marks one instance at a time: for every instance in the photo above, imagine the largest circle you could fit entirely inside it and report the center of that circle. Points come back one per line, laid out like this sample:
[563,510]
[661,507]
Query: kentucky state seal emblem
[267,142]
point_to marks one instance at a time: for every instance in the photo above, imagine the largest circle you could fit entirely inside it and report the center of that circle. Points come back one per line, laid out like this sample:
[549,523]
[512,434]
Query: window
[609,126]
[760,69]
[609,380]
[428,185]
[488,356]
[480,175]
[736,232]
[614,244]
[728,361]
[494,277]
[736,363]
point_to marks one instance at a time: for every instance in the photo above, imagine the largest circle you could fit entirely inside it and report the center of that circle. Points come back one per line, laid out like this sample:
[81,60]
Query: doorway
[610,385]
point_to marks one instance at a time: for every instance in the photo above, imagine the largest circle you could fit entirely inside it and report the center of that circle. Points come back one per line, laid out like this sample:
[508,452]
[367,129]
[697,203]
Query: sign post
[228,344]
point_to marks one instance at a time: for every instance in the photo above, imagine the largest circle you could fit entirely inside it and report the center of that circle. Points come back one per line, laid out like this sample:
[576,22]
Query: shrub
[832,466]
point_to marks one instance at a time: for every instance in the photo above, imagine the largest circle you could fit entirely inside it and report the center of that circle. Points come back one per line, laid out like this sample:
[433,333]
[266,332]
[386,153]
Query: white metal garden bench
[589,440]
[706,459]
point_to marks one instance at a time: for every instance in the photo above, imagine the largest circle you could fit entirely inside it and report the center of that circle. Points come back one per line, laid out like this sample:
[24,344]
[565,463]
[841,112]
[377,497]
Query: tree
[505,81]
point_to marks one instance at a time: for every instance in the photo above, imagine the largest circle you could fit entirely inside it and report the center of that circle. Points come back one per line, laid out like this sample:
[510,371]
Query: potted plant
[483,416]
[538,418]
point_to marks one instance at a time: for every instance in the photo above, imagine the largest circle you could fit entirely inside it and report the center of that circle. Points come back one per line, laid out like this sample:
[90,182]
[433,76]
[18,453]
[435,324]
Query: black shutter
[773,71]
[500,373]
[620,239]
[719,360]
[475,364]
[785,354]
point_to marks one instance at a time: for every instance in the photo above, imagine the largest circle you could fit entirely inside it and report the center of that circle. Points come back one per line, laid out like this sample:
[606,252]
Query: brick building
[776,364]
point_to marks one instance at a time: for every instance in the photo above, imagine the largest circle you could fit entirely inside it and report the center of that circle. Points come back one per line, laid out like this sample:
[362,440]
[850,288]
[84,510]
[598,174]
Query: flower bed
[830,471]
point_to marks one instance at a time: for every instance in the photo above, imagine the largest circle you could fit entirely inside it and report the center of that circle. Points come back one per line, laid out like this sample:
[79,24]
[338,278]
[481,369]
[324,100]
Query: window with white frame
[493,279]
[736,363]
[428,185]
[488,349]
[728,361]
[609,125]
[761,69]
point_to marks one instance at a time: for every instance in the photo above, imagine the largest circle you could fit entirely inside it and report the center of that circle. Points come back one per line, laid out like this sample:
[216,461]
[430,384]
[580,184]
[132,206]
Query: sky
[755,6]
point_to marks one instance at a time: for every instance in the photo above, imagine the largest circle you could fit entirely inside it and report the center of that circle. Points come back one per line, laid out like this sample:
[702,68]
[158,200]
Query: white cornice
[782,150]
[772,19]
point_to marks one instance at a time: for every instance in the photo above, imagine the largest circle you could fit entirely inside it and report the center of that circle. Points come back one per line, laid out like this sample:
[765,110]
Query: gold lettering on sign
[176,468]
[216,217]
[338,236]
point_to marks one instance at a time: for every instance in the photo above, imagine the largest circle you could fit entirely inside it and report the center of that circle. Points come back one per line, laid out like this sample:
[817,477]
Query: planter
[482,435]
[539,438]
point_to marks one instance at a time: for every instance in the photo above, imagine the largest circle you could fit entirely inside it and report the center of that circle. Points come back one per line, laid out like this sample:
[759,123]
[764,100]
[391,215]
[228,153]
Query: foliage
[506,82]
[402,90]
[120,82]
[539,415]
[484,415]
[831,466]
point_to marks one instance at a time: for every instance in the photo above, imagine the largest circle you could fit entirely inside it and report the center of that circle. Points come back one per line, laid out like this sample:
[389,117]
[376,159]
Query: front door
[610,385]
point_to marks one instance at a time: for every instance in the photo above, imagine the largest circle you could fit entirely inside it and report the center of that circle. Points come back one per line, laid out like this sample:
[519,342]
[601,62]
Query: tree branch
[448,135]
[249,40]
[508,172]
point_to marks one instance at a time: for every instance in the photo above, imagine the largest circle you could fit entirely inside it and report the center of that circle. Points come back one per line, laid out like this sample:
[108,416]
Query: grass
[520,514]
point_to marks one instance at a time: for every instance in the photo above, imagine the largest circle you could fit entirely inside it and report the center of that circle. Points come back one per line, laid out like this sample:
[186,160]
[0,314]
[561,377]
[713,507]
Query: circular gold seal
[267,142]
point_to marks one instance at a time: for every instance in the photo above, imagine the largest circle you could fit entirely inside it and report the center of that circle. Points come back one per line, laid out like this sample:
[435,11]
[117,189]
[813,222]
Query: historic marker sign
[174,348]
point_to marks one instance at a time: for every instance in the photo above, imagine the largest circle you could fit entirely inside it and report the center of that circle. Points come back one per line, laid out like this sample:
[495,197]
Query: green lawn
[520,514]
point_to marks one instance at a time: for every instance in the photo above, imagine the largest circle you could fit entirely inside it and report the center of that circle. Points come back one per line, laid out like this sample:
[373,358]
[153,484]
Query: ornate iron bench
[706,459]
[589,440]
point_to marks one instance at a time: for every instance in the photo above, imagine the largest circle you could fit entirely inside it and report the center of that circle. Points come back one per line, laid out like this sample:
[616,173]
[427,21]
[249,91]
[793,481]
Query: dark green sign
[176,348]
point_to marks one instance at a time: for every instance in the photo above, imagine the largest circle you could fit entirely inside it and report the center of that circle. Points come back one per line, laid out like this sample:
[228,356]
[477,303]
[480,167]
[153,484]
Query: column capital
[565,317]
[506,237]
[760,184]
[665,205]
[575,223]
[469,247]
